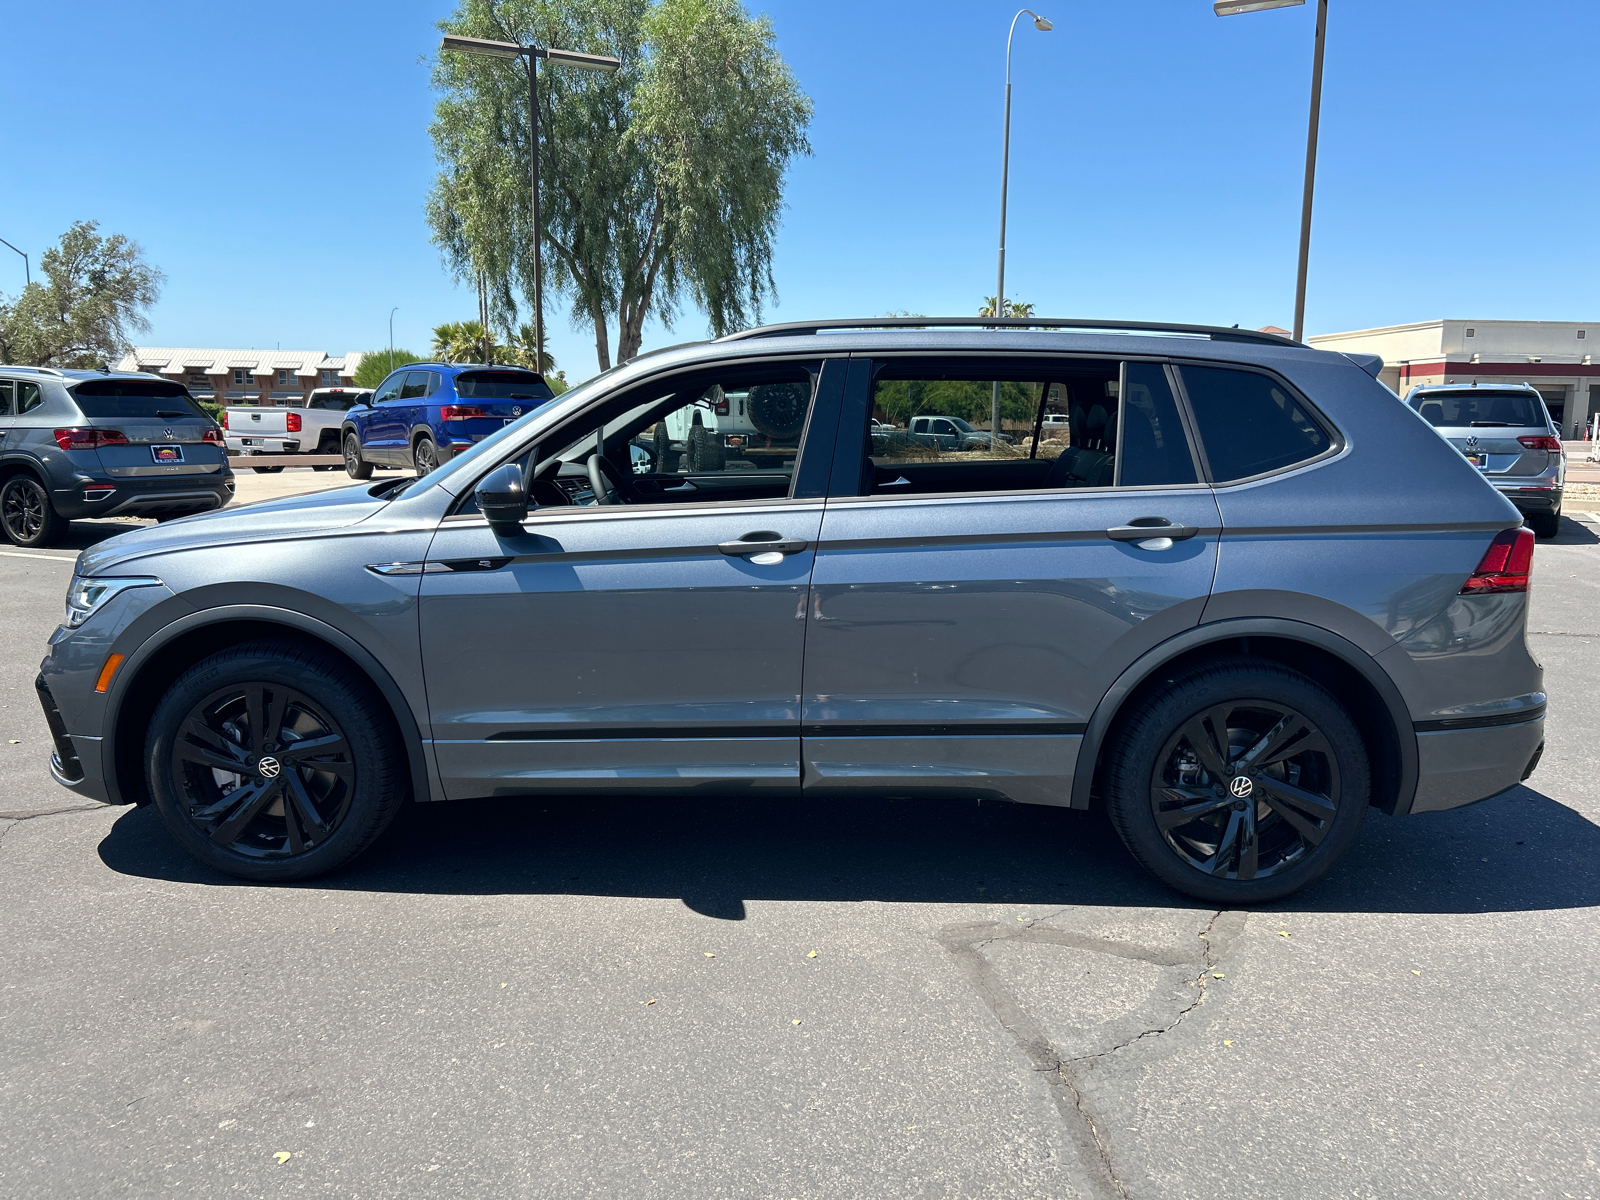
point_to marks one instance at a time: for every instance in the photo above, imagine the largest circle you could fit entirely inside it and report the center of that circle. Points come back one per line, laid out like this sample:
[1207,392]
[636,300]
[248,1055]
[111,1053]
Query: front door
[634,646]
[970,608]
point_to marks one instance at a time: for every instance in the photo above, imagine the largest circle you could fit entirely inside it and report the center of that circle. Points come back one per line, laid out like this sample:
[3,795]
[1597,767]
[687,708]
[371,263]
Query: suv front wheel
[1239,782]
[354,465]
[270,762]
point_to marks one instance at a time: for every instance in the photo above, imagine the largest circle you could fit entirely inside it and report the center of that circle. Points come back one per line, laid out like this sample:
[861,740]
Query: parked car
[426,413]
[1506,432]
[1275,601]
[313,425]
[950,433]
[77,444]
[759,425]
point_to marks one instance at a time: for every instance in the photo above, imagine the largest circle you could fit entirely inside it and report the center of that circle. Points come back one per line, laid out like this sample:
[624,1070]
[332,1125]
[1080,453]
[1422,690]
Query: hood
[285,517]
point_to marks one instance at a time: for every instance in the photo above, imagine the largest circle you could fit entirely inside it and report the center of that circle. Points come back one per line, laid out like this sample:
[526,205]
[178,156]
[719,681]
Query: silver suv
[1506,432]
[1225,587]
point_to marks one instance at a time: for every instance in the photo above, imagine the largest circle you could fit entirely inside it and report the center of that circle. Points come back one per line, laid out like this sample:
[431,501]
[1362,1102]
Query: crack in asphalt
[1065,1076]
[14,819]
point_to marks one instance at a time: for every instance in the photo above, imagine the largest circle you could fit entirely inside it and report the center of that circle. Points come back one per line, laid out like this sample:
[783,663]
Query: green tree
[1013,308]
[462,341]
[376,364]
[661,183]
[95,296]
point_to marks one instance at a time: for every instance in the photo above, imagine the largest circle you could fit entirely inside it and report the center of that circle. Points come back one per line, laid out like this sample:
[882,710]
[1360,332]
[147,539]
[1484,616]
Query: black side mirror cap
[502,498]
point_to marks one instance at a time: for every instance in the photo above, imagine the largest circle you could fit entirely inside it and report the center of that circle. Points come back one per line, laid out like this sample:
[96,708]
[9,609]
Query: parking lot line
[47,557]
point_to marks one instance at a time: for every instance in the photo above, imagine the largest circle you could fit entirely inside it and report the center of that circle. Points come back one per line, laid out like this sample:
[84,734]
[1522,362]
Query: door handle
[1144,528]
[764,542]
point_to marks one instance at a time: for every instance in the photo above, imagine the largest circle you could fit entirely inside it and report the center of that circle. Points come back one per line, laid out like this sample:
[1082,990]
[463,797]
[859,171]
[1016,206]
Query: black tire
[292,821]
[265,470]
[1300,811]
[707,454]
[666,456]
[354,465]
[425,456]
[26,514]
[778,410]
[1544,525]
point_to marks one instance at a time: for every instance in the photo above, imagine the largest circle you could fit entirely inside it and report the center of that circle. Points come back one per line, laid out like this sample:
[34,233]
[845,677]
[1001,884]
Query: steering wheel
[609,485]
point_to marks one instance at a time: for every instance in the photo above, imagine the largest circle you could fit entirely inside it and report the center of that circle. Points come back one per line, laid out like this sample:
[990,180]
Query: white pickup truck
[309,426]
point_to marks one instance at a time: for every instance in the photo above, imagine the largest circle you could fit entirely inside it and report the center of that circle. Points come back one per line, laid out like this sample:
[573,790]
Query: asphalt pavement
[842,999]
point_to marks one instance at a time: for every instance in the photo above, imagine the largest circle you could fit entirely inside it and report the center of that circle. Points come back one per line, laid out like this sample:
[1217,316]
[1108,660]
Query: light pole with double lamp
[1231,8]
[530,56]
[1043,25]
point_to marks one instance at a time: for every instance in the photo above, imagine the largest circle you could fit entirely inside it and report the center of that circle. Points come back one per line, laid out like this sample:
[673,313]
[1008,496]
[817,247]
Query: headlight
[86,596]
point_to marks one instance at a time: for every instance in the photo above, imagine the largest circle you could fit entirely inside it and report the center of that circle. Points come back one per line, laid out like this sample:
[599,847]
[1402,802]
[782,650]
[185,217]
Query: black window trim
[874,358]
[1336,440]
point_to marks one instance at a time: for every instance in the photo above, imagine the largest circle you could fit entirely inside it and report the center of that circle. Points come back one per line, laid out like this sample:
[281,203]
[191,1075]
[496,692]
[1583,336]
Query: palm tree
[521,348]
[462,341]
[1013,308]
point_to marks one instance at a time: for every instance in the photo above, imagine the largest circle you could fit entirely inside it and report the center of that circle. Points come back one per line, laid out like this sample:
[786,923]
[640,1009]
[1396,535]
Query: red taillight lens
[291,422]
[460,412]
[214,436]
[1505,565]
[720,408]
[89,439]
[1542,443]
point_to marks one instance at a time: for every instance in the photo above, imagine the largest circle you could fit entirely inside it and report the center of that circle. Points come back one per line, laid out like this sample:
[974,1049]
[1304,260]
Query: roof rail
[37,370]
[1217,333]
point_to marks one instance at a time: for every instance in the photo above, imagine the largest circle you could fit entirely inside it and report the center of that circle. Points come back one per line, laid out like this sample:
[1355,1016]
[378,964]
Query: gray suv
[1227,587]
[1506,432]
[79,444]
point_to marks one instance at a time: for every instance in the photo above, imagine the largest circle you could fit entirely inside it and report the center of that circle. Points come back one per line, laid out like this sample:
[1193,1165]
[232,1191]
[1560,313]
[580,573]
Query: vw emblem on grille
[269,768]
[166,433]
[1241,786]
[1472,443]
[516,410]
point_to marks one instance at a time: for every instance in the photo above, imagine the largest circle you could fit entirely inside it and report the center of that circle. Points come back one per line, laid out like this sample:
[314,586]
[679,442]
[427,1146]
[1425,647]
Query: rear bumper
[265,445]
[1456,767]
[1532,499]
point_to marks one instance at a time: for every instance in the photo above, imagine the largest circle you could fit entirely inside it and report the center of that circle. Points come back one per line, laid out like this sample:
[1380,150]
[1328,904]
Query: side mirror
[502,498]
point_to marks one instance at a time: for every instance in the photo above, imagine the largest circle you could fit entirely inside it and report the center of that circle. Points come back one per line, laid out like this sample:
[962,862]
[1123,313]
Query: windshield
[1480,407]
[961,425]
[502,385]
[135,398]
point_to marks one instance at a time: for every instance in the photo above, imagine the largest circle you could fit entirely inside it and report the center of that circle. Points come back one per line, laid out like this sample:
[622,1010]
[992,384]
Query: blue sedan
[424,413]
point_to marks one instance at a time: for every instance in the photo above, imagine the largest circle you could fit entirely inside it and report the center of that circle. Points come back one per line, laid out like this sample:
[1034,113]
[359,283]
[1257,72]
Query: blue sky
[273,158]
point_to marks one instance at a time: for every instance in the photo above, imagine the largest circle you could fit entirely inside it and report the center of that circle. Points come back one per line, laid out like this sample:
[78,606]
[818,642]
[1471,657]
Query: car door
[969,610]
[645,647]
[380,425]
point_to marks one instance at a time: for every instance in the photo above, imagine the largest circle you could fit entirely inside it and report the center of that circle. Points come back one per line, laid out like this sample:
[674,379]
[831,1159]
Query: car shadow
[1521,851]
[1574,533]
[80,535]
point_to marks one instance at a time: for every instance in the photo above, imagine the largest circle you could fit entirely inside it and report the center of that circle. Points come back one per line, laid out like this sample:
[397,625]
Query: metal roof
[225,361]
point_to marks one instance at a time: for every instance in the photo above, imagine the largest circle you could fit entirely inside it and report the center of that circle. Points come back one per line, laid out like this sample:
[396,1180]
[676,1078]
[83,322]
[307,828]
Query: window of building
[1249,423]
[241,377]
[1471,332]
[328,378]
[286,378]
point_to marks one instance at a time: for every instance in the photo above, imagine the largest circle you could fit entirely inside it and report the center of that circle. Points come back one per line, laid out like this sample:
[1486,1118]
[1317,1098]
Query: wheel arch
[1365,689]
[178,646]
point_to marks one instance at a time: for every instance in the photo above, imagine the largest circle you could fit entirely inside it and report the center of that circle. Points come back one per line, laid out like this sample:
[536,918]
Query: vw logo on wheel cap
[269,767]
[1241,785]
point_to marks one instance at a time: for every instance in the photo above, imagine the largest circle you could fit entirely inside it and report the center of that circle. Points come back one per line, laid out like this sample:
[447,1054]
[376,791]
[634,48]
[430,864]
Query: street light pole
[1229,8]
[1043,26]
[27,271]
[392,312]
[530,56]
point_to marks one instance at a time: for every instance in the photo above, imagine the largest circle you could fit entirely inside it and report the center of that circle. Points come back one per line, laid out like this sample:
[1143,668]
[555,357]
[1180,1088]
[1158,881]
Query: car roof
[457,368]
[1475,387]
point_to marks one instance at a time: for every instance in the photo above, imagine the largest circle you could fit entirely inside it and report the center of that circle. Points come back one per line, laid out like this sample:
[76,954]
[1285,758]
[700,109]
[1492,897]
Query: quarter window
[1249,423]
[28,397]
[5,397]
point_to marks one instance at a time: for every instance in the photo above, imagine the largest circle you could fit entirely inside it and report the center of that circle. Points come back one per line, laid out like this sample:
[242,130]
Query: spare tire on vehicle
[706,451]
[666,456]
[778,410]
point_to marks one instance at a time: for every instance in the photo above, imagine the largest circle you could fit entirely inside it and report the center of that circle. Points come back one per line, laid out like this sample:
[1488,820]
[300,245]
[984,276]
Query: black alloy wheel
[26,514]
[354,466]
[272,764]
[426,456]
[1239,783]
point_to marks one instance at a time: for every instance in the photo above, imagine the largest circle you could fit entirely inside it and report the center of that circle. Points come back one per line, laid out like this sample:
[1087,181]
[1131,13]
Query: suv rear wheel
[270,762]
[1544,525]
[1238,783]
[425,456]
[26,513]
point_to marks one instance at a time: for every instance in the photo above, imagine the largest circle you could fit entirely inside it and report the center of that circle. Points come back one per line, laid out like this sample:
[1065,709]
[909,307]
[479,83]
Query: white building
[245,376]
[1554,356]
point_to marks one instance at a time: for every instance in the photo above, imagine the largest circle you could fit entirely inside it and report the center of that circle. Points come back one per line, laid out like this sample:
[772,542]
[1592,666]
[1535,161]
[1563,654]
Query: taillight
[89,439]
[1542,443]
[291,422]
[460,412]
[214,435]
[1505,565]
[721,408]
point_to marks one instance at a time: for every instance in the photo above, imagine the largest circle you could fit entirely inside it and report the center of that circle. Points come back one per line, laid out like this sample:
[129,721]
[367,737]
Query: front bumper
[74,766]
[1457,767]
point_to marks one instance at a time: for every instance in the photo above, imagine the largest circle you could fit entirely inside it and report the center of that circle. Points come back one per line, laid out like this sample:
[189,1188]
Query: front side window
[1249,423]
[1063,425]
[390,388]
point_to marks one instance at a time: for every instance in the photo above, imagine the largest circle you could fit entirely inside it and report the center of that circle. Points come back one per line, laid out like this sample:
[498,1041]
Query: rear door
[640,647]
[969,609]
[161,429]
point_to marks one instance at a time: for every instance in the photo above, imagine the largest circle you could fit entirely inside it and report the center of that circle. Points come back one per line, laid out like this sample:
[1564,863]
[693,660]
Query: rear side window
[1483,408]
[1154,448]
[134,398]
[502,385]
[1249,423]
